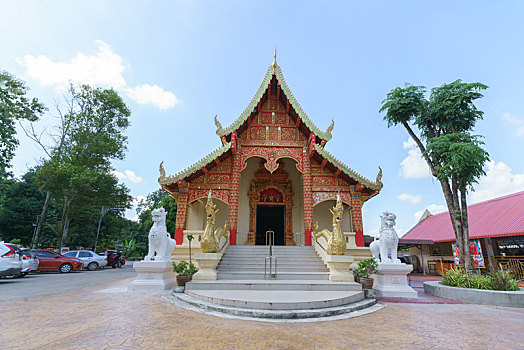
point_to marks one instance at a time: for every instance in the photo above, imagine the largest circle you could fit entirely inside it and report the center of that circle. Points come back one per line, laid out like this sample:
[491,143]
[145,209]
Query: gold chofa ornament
[335,240]
[210,239]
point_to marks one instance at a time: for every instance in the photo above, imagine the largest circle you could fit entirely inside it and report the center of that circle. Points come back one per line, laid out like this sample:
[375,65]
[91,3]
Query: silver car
[30,261]
[10,260]
[90,260]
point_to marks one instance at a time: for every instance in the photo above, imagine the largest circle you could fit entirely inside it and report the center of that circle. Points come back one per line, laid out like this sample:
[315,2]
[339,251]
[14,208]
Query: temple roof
[375,185]
[274,69]
[166,180]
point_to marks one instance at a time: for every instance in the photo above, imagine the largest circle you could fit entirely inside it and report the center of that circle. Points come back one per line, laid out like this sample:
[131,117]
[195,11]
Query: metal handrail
[270,236]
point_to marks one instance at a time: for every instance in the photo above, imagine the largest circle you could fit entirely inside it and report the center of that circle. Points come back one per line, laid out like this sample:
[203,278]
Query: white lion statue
[159,240]
[388,240]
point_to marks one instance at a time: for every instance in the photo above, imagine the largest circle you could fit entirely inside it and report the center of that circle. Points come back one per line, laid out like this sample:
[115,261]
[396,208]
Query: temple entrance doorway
[270,217]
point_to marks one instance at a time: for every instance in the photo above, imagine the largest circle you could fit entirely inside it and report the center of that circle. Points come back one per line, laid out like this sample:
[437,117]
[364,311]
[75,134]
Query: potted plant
[184,272]
[357,273]
[365,269]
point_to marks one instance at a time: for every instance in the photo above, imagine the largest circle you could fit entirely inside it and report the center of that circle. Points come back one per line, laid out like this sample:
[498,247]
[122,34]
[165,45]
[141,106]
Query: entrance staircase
[300,290]
[242,262]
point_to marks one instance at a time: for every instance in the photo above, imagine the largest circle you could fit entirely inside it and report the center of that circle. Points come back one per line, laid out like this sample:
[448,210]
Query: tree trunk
[456,221]
[41,220]
[467,260]
[65,221]
[65,230]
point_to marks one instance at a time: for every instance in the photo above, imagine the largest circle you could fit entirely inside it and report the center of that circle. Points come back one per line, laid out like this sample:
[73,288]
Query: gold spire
[275,58]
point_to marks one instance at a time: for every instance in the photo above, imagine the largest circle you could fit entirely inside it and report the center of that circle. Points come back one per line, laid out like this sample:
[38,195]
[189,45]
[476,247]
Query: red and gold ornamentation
[272,189]
[324,196]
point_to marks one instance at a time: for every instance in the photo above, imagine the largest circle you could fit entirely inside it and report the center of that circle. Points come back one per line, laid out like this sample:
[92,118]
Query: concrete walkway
[108,317]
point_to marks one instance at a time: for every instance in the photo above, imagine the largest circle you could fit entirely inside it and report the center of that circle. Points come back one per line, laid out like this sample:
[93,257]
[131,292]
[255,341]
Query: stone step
[277,299]
[244,275]
[187,301]
[279,269]
[273,285]
[222,266]
[248,254]
[263,255]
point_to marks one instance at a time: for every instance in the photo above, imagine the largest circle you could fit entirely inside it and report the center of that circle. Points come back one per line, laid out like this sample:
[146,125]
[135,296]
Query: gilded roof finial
[275,58]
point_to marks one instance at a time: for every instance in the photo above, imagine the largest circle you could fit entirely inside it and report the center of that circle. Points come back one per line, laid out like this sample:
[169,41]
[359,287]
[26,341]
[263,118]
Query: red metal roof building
[499,217]
[497,224]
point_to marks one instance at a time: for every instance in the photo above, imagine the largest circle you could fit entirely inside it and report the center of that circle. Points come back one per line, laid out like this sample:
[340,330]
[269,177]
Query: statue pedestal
[208,266]
[339,268]
[153,276]
[391,281]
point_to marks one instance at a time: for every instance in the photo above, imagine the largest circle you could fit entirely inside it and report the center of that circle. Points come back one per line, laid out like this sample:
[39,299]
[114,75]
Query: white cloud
[153,95]
[517,123]
[118,174]
[105,68]
[410,198]
[136,200]
[499,181]
[433,208]
[413,166]
[128,174]
[132,176]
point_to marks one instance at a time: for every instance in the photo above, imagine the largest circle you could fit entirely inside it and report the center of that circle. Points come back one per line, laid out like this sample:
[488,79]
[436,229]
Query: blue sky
[178,63]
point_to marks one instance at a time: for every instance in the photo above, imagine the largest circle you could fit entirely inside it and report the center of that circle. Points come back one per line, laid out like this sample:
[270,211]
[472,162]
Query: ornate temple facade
[271,172]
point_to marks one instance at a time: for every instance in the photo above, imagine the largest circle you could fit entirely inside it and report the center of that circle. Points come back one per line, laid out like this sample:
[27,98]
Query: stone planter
[181,280]
[367,282]
[476,296]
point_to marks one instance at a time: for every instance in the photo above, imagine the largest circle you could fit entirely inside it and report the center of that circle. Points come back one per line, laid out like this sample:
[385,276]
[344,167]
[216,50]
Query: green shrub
[366,268]
[183,268]
[502,281]
[495,280]
[454,277]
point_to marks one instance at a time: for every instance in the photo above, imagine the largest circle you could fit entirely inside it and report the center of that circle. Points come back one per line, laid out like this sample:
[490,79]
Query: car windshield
[70,254]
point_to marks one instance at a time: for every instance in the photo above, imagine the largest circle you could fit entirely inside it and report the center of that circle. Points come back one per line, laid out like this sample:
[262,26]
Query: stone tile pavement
[108,317]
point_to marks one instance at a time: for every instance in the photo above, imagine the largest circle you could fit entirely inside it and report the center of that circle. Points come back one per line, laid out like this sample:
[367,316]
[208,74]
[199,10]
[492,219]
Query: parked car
[111,256]
[30,261]
[51,261]
[10,260]
[90,260]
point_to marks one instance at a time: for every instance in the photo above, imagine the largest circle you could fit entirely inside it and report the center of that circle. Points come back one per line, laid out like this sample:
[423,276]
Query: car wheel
[92,266]
[64,268]
[12,276]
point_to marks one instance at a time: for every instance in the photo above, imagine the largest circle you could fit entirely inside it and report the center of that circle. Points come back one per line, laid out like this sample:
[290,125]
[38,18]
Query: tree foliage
[90,134]
[454,155]
[14,105]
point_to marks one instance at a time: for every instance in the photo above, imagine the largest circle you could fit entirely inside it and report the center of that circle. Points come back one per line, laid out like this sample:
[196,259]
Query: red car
[50,261]
[112,258]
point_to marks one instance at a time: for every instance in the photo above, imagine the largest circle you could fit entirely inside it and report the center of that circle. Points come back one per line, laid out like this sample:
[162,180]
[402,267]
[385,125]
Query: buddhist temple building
[271,171]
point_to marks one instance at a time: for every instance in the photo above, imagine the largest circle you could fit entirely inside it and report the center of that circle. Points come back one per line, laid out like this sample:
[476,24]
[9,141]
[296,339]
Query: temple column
[308,198]
[181,214]
[233,199]
[356,219]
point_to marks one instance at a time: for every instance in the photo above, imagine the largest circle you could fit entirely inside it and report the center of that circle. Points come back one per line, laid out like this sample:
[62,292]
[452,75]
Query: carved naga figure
[335,239]
[210,239]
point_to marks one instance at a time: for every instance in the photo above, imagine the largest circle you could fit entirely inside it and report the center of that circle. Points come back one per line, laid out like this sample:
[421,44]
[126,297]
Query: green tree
[19,208]
[90,135]
[14,105]
[454,156]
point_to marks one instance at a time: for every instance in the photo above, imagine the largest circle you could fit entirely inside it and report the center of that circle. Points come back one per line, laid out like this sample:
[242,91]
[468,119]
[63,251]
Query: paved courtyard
[107,317]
